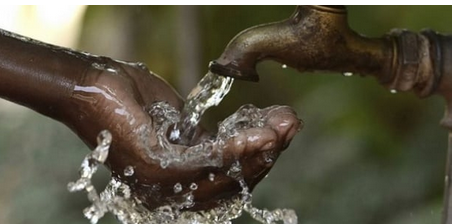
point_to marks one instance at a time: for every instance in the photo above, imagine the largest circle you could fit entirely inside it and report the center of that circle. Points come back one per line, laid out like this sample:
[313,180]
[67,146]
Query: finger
[249,141]
[263,145]
[283,120]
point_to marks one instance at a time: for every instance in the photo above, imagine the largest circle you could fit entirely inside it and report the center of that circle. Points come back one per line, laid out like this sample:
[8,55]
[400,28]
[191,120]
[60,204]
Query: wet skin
[118,101]
[90,94]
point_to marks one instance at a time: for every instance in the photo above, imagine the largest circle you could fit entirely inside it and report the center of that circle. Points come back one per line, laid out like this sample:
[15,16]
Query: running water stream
[116,197]
[209,92]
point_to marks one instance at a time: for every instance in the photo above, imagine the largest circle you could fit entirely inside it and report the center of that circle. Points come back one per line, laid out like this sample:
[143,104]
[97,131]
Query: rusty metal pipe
[319,38]
[313,38]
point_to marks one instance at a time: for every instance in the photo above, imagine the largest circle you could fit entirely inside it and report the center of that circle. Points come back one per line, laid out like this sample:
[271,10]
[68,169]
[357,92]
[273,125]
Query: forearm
[37,75]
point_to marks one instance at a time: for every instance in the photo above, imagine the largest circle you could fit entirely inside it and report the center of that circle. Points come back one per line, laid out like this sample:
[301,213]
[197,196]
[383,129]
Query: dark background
[364,156]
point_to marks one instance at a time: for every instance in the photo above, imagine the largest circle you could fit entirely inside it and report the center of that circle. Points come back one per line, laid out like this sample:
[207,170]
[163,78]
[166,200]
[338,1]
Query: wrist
[38,75]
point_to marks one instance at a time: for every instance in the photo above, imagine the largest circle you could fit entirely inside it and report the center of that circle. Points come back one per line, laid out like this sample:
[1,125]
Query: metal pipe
[319,38]
[313,38]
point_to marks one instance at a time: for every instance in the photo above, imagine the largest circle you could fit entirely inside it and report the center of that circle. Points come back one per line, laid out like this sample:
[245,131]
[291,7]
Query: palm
[118,99]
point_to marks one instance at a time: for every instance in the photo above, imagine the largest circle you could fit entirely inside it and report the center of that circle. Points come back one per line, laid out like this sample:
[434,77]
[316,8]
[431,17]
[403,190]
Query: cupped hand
[117,96]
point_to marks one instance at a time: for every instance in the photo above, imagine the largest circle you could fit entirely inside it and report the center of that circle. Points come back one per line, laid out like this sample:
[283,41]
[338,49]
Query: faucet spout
[313,38]
[319,38]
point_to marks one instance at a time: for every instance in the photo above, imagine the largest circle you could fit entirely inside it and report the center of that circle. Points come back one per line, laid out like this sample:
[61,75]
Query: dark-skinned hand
[117,96]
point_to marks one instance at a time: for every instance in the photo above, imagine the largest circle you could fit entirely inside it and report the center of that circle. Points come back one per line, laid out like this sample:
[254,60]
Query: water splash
[91,162]
[348,74]
[209,151]
[193,186]
[211,177]
[206,153]
[128,171]
[116,198]
[172,149]
[177,188]
[287,216]
[246,117]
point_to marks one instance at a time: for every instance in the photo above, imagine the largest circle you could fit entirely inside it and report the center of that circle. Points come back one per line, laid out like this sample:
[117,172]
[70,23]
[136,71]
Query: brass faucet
[319,38]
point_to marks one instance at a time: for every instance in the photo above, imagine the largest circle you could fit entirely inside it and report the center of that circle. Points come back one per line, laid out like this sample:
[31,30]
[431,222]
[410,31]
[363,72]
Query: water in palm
[117,199]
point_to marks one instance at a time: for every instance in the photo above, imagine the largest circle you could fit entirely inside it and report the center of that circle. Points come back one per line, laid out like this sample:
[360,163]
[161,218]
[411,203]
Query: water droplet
[177,188]
[174,134]
[190,197]
[79,185]
[284,66]
[93,214]
[104,138]
[142,66]
[393,91]
[164,163]
[193,186]
[268,159]
[348,74]
[128,171]
[155,187]
[235,170]
[211,176]
[235,167]
[97,66]
[247,197]
[112,70]
[289,216]
[189,202]
[87,54]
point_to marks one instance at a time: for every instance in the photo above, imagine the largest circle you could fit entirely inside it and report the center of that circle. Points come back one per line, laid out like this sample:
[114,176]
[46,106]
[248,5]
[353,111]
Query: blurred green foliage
[364,156]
